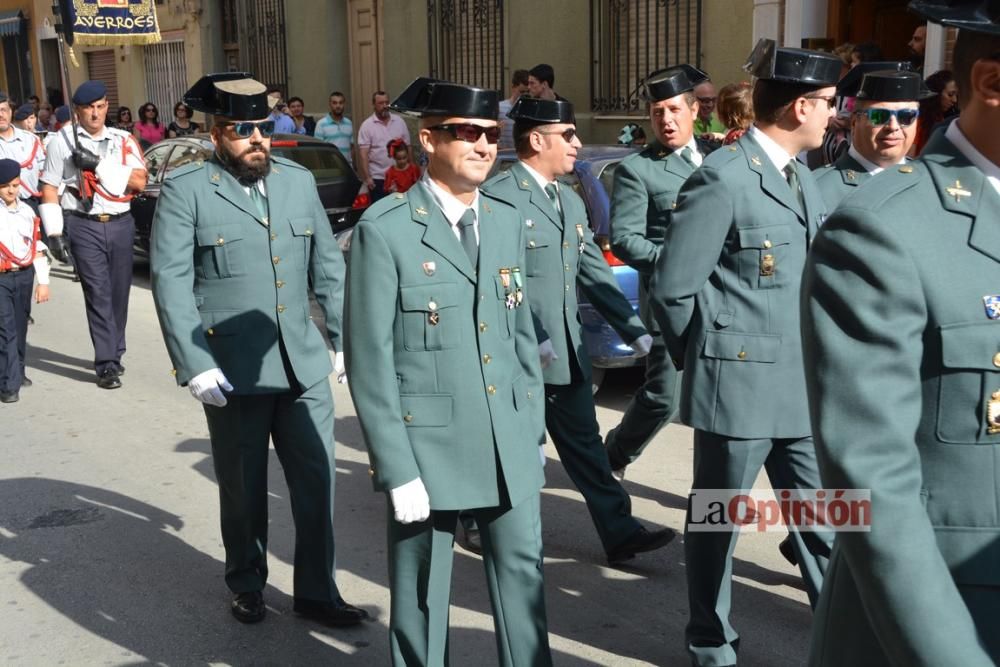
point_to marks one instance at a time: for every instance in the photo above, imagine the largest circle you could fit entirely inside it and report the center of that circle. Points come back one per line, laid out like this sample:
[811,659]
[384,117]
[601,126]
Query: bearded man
[237,242]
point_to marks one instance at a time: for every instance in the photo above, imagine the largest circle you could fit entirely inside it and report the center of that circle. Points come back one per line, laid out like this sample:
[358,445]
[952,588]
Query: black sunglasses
[244,129]
[469,132]
[566,134]
[830,101]
[878,116]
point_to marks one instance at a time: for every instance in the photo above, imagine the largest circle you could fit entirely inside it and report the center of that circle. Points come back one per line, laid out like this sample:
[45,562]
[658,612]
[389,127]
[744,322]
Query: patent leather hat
[671,82]
[848,86]
[780,63]
[541,112]
[971,15]
[433,97]
[234,95]
[890,86]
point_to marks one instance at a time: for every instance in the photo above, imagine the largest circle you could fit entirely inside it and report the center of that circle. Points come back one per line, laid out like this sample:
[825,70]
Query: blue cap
[89,92]
[62,114]
[25,110]
[9,170]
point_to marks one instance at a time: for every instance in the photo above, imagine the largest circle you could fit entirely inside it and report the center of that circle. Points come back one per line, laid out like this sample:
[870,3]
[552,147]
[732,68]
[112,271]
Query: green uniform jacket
[902,363]
[840,179]
[230,290]
[726,294]
[558,258]
[646,186]
[445,377]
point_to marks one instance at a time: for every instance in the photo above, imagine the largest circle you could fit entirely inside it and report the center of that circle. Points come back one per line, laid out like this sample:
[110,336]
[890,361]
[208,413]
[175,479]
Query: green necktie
[260,201]
[792,176]
[553,194]
[467,235]
[687,156]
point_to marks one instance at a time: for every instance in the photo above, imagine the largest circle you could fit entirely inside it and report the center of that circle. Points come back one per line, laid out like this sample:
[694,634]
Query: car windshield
[325,163]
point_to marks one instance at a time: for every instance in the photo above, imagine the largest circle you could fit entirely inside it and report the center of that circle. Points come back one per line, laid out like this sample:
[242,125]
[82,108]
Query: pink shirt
[150,133]
[376,135]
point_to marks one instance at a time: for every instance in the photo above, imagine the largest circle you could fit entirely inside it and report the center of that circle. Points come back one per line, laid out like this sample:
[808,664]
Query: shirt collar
[18,135]
[868,165]
[965,147]
[778,156]
[101,136]
[452,208]
[538,177]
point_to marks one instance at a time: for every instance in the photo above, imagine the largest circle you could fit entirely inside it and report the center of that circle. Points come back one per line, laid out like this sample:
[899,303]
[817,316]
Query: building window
[630,39]
[466,42]
[166,76]
[261,25]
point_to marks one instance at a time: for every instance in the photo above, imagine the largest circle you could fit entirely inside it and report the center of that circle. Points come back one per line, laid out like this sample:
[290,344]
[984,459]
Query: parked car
[593,179]
[339,188]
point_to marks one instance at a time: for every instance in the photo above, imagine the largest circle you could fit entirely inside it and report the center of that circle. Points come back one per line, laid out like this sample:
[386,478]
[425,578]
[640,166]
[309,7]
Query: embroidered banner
[111,22]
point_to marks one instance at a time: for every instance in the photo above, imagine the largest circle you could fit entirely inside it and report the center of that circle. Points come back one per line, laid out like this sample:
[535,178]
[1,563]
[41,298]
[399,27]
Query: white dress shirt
[452,208]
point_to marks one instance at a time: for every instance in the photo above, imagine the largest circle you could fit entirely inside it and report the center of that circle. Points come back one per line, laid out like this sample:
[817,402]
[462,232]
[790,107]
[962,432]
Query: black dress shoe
[338,613]
[108,379]
[641,541]
[9,397]
[469,539]
[249,607]
[26,382]
[787,550]
[120,368]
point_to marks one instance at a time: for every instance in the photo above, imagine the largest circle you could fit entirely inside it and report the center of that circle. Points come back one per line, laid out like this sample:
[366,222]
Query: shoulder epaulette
[287,163]
[186,169]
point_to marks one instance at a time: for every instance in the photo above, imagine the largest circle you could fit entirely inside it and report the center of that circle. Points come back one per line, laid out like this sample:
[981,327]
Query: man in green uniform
[725,291]
[883,126]
[237,243]
[443,367]
[901,330]
[560,255]
[644,196]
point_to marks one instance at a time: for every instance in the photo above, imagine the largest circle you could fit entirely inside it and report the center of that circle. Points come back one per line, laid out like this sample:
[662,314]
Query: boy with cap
[725,291]
[22,146]
[883,125]
[22,257]
[901,329]
[443,367]
[101,168]
[25,118]
[643,199]
[560,244]
[237,243]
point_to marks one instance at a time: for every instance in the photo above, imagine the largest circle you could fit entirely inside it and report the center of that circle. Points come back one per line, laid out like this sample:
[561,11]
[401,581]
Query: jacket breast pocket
[302,231]
[762,253]
[968,410]
[423,410]
[742,347]
[431,319]
[220,252]
[535,251]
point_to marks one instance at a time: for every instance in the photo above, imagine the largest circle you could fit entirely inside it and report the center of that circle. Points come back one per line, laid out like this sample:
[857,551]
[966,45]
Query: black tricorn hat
[541,112]
[432,97]
[235,95]
[779,63]
[892,86]
[671,82]
[971,15]
[848,86]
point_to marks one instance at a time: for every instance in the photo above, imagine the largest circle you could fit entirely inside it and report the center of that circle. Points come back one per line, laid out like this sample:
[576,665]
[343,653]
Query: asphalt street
[110,552]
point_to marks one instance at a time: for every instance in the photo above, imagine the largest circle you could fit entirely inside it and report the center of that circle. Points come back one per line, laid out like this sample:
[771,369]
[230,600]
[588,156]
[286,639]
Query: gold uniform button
[491,390]
[221,241]
[996,359]
[211,331]
[566,266]
[531,244]
[567,288]
[280,284]
[742,354]
[483,327]
[274,237]
[275,259]
[529,394]
[407,418]
[309,232]
[432,306]
[281,309]
[767,243]
[371,472]
[487,358]
[565,244]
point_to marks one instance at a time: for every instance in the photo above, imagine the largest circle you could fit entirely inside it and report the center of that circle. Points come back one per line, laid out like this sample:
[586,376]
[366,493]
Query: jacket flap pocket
[218,234]
[665,201]
[971,345]
[302,226]
[426,409]
[222,322]
[428,298]
[536,241]
[736,346]
[522,397]
[765,237]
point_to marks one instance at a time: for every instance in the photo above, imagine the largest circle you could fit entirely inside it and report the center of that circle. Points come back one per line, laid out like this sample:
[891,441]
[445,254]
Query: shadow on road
[57,363]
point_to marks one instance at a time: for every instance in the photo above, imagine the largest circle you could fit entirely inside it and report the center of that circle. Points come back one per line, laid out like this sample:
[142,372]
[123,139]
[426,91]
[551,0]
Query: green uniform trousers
[571,420]
[653,405]
[726,463]
[301,427]
[420,563]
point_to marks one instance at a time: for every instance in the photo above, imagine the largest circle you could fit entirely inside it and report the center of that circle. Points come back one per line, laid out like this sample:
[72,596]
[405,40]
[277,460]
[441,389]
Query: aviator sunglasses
[469,132]
[877,116]
[244,129]
[566,134]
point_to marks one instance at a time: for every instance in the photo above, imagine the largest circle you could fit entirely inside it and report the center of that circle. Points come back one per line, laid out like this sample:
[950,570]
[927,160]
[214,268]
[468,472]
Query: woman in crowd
[936,109]
[735,110]
[182,124]
[123,120]
[149,130]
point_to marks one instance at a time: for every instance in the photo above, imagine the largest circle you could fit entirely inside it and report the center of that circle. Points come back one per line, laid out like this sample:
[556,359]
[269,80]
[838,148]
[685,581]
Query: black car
[336,183]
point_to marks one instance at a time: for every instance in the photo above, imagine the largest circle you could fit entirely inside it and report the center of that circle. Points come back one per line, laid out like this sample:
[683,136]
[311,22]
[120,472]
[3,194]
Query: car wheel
[596,378]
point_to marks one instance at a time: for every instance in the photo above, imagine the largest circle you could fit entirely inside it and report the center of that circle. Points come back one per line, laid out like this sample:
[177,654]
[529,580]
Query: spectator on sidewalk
[518,87]
[401,176]
[373,140]
[182,125]
[735,110]
[336,128]
[148,129]
[283,123]
[303,124]
[541,80]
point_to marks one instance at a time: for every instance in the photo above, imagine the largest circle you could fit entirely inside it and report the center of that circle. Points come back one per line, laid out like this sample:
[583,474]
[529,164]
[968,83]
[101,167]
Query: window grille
[466,42]
[166,77]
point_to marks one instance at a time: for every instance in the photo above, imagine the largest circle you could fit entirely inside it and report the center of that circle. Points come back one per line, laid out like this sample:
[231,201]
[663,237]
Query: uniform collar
[538,177]
[778,156]
[965,147]
[101,136]
[452,208]
[867,164]
[18,135]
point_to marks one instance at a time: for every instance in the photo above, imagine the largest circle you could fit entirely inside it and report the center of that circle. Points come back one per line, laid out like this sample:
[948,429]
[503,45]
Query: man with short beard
[237,243]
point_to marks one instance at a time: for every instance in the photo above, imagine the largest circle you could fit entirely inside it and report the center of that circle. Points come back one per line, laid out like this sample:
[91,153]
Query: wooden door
[364,32]
[885,22]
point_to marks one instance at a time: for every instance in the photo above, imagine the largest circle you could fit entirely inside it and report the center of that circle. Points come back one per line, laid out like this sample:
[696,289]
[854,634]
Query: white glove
[411,502]
[207,387]
[546,353]
[52,218]
[642,345]
[338,367]
[541,454]
[113,175]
